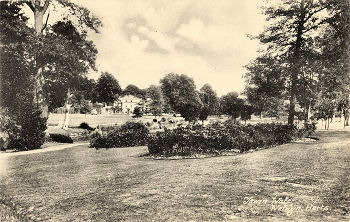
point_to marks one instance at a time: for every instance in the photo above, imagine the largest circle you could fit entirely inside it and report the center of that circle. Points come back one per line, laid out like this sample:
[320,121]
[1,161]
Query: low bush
[86,126]
[25,131]
[128,134]
[218,137]
[60,138]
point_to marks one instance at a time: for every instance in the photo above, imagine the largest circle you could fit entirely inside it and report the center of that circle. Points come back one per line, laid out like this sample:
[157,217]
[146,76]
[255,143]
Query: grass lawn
[293,182]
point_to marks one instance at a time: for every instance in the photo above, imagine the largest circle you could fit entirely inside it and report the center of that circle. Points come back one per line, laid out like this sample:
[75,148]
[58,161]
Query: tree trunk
[292,102]
[296,63]
[346,118]
[67,111]
[39,12]
[328,124]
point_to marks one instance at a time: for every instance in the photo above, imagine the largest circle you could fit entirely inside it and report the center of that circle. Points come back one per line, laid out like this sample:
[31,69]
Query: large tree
[265,88]
[40,11]
[180,93]
[289,37]
[69,56]
[107,88]
[20,120]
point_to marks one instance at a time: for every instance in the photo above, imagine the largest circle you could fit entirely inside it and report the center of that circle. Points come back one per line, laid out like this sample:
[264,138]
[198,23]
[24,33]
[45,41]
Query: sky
[143,40]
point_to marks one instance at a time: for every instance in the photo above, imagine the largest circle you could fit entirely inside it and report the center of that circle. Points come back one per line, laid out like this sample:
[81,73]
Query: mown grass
[294,182]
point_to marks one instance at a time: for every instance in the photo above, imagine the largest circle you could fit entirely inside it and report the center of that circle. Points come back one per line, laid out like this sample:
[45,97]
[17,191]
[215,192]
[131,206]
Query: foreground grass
[298,181]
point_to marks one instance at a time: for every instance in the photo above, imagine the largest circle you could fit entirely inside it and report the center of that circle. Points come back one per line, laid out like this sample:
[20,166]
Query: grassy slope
[82,184]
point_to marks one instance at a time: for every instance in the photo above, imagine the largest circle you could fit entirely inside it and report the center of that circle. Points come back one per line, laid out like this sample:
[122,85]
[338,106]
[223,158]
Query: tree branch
[47,18]
[46,5]
[31,6]
[314,12]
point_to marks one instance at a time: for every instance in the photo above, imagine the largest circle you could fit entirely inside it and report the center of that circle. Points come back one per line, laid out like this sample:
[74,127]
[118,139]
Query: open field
[294,182]
[94,120]
[110,119]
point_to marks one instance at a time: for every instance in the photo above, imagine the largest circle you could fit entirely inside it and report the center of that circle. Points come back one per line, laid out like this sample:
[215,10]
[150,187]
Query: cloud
[141,41]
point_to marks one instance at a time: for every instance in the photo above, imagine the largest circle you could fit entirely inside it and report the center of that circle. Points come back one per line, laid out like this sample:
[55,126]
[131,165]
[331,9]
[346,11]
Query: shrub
[218,137]
[25,131]
[309,128]
[129,134]
[137,112]
[86,126]
[163,119]
[60,138]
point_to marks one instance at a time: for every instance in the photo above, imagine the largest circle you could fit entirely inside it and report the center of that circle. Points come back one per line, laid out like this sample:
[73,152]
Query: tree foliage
[157,101]
[67,58]
[266,81]
[50,41]
[180,93]
[231,105]
[209,99]
[107,88]
[134,90]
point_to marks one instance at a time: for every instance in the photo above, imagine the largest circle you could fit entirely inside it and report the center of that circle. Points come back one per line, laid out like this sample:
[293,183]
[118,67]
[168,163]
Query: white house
[128,103]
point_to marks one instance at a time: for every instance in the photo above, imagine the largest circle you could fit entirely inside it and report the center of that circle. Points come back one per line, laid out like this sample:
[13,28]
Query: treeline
[175,94]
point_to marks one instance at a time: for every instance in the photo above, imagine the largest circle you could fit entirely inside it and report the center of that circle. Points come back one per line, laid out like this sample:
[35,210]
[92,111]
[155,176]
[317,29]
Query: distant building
[127,104]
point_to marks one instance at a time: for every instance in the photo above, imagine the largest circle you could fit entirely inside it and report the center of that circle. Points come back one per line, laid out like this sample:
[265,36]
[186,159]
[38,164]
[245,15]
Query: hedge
[128,134]
[218,137]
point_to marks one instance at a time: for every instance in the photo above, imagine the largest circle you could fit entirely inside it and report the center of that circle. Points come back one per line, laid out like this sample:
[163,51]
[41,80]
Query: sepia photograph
[175,110]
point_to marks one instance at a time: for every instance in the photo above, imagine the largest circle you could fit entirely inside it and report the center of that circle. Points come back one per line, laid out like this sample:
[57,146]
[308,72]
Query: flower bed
[219,137]
[128,134]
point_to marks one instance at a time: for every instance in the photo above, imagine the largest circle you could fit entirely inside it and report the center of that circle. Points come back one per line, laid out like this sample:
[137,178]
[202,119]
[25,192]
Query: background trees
[181,95]
[210,102]
[107,88]
[266,79]
[157,101]
[134,90]
[231,105]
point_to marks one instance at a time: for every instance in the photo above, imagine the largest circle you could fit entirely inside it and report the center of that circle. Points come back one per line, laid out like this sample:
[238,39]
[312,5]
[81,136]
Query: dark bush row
[222,136]
[128,134]
[60,138]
